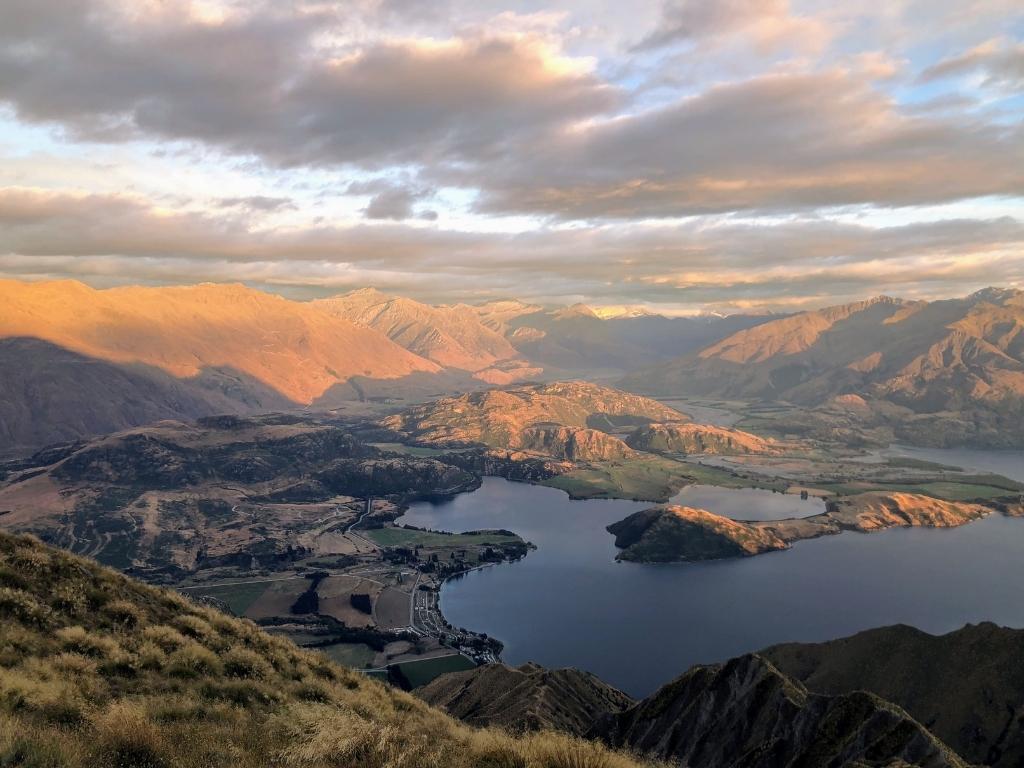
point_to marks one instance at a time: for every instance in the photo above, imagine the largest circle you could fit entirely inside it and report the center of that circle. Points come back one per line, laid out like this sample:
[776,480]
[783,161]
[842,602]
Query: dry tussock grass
[98,671]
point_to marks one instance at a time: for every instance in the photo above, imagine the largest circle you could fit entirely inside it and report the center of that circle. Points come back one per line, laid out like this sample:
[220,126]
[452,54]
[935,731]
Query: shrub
[22,606]
[123,613]
[241,662]
[79,640]
[167,638]
[126,738]
[193,660]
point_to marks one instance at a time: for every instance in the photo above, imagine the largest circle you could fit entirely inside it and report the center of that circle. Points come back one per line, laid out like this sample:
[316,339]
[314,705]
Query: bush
[193,660]
[123,613]
[241,662]
[126,738]
[22,606]
[80,640]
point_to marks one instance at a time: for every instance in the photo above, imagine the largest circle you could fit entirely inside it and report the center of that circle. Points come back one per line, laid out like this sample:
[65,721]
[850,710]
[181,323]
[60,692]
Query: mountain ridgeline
[947,371]
[77,362]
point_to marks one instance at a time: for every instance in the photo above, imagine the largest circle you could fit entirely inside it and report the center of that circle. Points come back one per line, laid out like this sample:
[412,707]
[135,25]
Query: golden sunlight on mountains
[295,348]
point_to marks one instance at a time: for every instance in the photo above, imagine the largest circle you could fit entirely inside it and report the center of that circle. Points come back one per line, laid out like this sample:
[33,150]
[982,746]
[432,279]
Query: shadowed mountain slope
[527,698]
[747,713]
[967,686]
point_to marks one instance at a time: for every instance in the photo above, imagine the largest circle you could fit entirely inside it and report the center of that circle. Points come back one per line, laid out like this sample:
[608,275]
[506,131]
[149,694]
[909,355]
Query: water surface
[748,503]
[569,603]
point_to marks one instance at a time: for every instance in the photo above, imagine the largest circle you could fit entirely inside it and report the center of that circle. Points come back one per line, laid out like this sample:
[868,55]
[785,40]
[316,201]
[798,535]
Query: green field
[410,450]
[940,489]
[650,478]
[355,655]
[237,597]
[403,537]
[422,672]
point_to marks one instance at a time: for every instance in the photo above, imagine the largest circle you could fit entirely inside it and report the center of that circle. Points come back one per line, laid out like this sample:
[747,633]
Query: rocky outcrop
[699,439]
[526,698]
[678,534]
[668,534]
[746,713]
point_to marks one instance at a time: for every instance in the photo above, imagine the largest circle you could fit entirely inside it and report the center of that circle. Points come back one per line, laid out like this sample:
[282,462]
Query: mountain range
[75,361]
[889,358]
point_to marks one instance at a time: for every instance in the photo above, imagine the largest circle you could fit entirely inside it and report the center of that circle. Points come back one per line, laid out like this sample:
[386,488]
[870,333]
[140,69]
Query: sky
[682,156]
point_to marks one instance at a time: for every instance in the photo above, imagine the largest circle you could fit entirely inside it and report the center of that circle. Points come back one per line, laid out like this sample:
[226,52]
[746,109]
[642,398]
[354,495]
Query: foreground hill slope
[526,698]
[929,357]
[101,671]
[968,685]
[295,349]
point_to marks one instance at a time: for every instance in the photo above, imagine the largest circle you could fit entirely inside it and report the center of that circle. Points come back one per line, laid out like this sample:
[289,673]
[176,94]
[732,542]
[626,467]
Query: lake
[569,603]
[748,503]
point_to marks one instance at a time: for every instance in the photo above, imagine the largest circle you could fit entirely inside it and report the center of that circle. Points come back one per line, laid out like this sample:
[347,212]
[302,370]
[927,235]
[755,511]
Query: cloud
[999,62]
[258,203]
[280,81]
[392,200]
[777,142]
[698,263]
[767,24]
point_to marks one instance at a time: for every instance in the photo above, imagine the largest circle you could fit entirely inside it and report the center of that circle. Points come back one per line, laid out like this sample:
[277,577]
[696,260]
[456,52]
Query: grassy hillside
[101,671]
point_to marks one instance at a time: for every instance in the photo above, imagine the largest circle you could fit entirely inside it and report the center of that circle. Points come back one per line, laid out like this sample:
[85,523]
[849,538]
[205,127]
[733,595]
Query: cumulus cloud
[264,82]
[772,142]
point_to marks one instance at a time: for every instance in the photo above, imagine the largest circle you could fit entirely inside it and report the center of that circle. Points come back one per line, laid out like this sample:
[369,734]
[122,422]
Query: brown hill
[453,337]
[557,419]
[968,685]
[747,714]
[930,357]
[526,698]
[699,439]
[293,348]
[172,499]
[674,533]
[667,534]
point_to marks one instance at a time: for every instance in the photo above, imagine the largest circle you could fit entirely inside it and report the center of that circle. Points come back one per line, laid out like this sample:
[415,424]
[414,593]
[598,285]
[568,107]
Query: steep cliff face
[747,713]
[526,698]
[699,438]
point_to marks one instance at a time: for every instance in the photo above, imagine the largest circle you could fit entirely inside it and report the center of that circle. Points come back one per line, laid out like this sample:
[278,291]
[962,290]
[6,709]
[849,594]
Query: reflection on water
[747,503]
[571,604]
